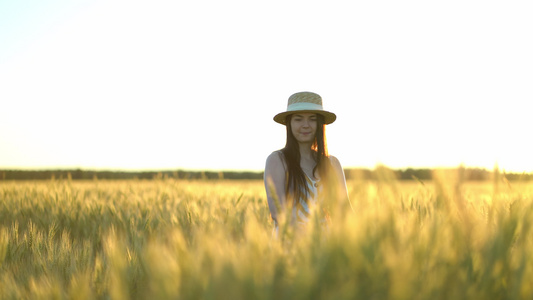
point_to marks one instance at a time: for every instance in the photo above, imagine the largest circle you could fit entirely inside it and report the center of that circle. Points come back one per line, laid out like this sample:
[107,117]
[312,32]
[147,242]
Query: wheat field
[212,239]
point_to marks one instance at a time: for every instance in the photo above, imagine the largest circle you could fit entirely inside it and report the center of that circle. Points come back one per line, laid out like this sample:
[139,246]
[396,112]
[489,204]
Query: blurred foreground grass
[176,239]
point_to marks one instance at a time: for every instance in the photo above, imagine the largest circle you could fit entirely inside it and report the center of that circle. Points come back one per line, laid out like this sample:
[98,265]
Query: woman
[302,177]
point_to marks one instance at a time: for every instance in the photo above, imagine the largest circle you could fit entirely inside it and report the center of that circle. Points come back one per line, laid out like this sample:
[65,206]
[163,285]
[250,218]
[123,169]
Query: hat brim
[329,117]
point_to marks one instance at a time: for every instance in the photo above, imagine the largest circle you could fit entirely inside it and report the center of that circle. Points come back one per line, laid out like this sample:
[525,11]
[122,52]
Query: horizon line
[133,170]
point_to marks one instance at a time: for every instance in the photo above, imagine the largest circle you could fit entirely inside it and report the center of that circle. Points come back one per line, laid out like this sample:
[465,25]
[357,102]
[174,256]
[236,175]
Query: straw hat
[305,102]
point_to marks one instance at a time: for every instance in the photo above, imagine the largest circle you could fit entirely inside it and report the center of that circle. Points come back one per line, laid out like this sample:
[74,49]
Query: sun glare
[184,85]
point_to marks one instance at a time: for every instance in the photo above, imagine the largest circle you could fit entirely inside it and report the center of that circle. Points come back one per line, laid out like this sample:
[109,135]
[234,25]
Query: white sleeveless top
[303,210]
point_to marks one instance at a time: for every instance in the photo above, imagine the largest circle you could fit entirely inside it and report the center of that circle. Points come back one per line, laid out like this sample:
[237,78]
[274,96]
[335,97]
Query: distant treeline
[470,174]
[88,174]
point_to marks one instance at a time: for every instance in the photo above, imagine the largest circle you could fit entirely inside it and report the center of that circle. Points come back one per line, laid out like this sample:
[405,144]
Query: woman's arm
[274,179]
[342,190]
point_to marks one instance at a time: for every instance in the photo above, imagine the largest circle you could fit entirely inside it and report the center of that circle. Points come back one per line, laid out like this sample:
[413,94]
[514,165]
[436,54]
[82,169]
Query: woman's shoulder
[275,162]
[275,154]
[276,157]
[334,161]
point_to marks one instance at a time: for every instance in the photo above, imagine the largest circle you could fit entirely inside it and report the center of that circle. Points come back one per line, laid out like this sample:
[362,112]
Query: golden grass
[177,239]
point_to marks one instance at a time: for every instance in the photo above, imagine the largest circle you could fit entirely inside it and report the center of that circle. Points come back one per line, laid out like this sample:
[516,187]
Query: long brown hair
[296,181]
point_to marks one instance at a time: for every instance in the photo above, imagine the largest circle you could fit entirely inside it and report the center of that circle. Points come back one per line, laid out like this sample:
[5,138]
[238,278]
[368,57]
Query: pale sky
[195,84]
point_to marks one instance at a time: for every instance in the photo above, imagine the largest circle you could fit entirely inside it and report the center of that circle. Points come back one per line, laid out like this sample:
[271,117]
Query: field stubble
[177,239]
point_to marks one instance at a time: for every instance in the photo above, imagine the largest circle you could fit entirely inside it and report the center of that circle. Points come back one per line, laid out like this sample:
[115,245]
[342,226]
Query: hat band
[304,106]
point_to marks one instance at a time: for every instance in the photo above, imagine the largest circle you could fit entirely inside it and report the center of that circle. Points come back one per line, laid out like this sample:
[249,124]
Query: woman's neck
[305,151]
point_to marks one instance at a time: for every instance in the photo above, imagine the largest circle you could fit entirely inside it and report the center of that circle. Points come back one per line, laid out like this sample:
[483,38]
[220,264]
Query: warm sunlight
[138,149]
[163,85]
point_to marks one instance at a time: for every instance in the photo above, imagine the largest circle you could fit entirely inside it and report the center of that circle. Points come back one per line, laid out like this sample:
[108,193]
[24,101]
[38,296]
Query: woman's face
[304,127]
